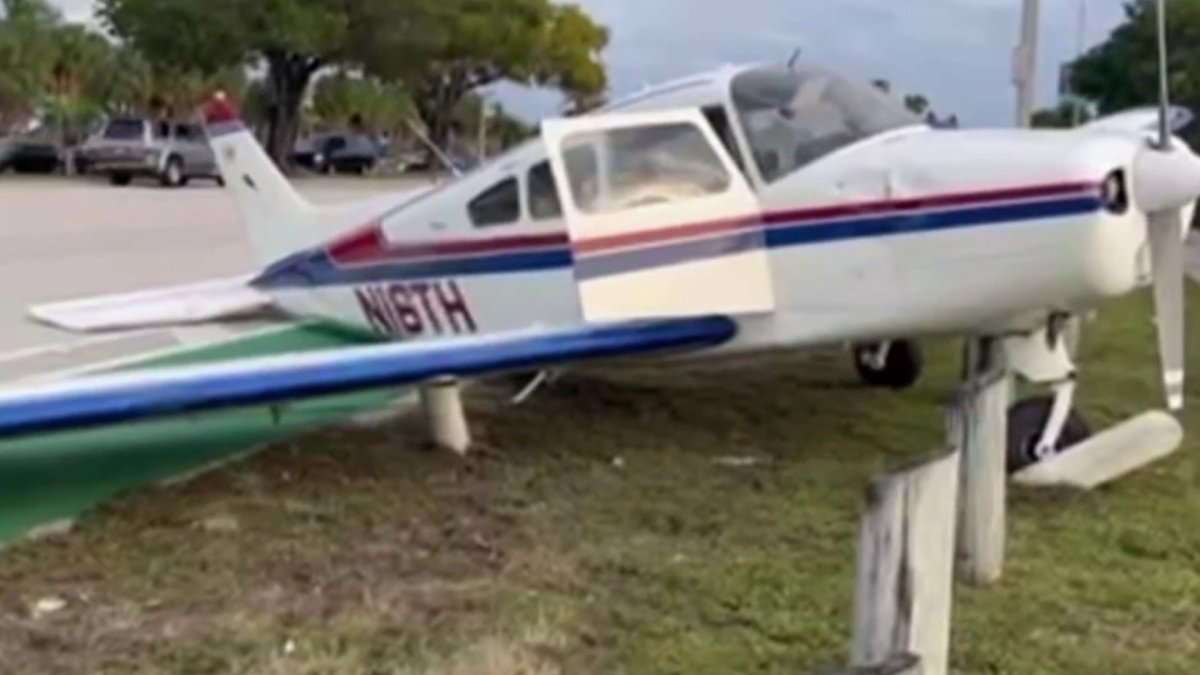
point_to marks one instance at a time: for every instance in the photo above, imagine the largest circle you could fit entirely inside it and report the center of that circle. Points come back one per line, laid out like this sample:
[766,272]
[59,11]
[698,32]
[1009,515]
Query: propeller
[1167,182]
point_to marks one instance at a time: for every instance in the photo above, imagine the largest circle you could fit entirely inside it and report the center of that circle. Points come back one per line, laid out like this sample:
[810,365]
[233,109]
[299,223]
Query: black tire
[901,369]
[1025,421]
[172,174]
[220,181]
[121,179]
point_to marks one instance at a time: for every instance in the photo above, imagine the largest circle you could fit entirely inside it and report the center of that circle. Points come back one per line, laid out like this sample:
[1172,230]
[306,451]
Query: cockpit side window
[719,122]
[542,195]
[583,171]
[500,204]
[794,116]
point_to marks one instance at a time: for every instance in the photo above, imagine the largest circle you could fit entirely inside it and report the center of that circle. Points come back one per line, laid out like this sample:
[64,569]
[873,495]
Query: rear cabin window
[124,130]
[498,205]
[543,196]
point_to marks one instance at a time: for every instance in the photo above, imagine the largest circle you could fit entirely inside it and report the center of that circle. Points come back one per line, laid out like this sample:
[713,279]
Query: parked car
[28,154]
[337,152]
[129,147]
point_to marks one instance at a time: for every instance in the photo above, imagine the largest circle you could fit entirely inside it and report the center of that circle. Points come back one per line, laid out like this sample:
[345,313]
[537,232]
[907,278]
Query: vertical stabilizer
[274,213]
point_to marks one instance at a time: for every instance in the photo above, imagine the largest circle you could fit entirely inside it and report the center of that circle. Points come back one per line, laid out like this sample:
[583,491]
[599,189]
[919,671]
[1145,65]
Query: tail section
[279,220]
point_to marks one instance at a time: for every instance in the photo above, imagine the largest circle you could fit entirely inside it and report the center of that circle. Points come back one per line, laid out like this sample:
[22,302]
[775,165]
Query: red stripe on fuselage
[723,226]
[369,245]
[928,202]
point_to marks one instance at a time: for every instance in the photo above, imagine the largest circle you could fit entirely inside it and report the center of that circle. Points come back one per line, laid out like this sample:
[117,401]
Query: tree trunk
[288,76]
[437,112]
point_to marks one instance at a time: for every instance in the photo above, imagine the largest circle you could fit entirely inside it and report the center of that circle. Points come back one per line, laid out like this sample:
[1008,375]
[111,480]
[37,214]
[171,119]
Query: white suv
[128,147]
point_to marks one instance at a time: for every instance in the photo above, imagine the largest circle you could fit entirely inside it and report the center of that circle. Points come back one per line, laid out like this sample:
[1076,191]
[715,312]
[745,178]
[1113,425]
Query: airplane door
[661,221]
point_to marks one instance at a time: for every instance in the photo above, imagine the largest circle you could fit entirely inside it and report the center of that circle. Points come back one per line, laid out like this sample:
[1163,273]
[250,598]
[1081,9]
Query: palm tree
[26,58]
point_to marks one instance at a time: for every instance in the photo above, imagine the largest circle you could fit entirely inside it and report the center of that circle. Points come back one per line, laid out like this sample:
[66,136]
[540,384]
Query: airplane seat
[768,163]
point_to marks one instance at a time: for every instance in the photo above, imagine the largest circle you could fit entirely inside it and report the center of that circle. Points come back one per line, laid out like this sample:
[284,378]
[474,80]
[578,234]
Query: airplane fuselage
[906,232]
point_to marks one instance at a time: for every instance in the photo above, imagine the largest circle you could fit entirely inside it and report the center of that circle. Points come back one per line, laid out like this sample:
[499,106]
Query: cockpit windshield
[794,115]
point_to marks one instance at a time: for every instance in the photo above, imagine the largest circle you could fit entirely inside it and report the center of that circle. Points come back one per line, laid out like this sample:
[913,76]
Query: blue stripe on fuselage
[316,268]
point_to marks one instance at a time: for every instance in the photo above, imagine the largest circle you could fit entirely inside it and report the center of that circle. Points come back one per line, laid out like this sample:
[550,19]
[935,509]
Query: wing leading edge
[130,396]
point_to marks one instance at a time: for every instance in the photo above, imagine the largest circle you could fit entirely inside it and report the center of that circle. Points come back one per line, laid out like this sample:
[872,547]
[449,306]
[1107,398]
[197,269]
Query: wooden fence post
[977,423]
[444,415]
[905,569]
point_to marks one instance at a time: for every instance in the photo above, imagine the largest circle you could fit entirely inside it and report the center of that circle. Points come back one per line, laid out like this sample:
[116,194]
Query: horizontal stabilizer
[133,395]
[207,301]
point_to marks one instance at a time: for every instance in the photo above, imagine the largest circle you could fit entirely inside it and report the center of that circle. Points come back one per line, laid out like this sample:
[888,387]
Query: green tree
[1066,114]
[917,103]
[500,128]
[1122,72]
[79,59]
[292,38]
[123,83]
[27,54]
[342,97]
[442,50]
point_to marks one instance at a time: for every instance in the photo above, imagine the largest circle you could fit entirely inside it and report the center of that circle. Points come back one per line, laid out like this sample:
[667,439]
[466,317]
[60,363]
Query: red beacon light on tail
[219,110]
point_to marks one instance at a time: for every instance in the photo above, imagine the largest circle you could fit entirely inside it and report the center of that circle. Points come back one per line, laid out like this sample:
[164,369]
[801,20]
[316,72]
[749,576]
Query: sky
[958,53]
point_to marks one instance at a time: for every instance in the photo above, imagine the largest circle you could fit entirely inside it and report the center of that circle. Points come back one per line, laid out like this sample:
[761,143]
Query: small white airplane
[742,211]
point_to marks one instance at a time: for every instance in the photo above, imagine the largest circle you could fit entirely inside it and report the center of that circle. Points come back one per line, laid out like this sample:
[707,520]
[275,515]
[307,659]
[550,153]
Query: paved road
[64,239]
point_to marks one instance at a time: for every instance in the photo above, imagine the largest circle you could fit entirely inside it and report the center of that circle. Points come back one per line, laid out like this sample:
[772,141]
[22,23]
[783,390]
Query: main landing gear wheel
[895,365]
[1026,420]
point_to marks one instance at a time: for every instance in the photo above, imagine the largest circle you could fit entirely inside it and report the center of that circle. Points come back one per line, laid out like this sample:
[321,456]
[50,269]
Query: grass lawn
[601,533]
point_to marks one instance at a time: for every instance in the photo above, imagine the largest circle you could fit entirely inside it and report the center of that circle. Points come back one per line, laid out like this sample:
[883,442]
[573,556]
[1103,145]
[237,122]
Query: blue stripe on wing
[125,397]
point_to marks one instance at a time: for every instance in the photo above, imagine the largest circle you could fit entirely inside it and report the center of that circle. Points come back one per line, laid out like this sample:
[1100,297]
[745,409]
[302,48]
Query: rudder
[275,215]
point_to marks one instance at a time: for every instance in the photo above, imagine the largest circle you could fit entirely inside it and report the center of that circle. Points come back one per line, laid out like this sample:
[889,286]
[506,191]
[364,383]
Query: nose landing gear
[1040,427]
[1029,431]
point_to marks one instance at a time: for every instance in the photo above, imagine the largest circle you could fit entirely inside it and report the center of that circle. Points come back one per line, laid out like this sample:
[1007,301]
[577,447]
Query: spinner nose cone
[1166,180]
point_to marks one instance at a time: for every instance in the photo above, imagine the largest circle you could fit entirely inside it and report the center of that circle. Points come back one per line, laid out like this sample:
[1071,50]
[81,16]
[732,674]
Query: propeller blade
[1167,182]
[1167,254]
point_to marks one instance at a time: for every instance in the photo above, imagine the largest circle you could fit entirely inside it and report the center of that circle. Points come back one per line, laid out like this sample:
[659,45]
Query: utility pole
[1025,61]
[1076,105]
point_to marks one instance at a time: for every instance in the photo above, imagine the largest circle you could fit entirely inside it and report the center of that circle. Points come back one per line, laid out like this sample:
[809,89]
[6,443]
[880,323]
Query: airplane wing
[129,396]
[214,300]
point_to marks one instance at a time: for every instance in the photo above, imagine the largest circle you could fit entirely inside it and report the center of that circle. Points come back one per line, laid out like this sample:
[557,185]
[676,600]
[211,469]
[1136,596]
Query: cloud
[76,10]
[956,52]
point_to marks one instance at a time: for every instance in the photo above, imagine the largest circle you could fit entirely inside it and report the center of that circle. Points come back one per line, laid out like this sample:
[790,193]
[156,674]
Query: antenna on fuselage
[791,64]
